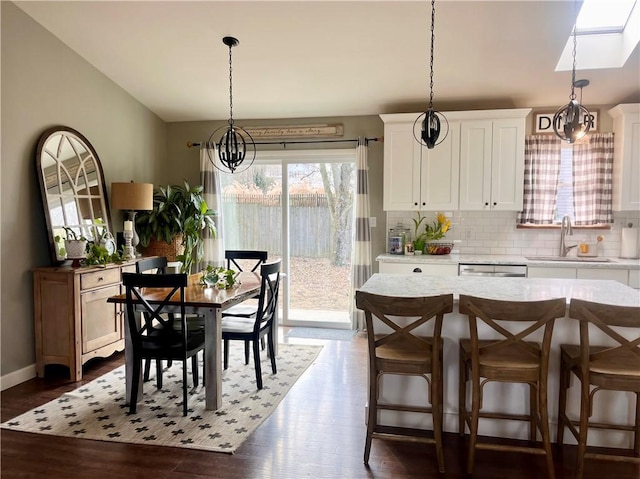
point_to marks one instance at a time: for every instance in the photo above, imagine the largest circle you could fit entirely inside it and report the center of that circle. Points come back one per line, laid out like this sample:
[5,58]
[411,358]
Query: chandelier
[573,121]
[234,144]
[431,121]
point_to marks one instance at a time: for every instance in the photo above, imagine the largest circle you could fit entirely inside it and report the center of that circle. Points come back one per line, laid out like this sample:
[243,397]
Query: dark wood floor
[317,432]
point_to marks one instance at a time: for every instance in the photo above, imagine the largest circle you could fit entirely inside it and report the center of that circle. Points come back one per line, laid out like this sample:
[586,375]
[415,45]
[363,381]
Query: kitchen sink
[572,259]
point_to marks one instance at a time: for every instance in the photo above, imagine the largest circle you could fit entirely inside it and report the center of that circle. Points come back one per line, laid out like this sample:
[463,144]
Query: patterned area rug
[322,333]
[97,410]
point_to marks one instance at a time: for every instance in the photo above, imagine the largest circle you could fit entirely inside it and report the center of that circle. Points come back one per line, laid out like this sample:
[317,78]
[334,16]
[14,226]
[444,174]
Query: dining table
[208,302]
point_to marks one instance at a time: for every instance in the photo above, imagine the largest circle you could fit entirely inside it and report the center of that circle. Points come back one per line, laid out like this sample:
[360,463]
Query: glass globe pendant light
[235,142]
[431,121]
[573,121]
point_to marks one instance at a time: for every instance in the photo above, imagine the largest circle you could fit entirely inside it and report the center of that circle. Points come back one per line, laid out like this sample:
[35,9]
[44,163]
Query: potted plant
[179,216]
[75,244]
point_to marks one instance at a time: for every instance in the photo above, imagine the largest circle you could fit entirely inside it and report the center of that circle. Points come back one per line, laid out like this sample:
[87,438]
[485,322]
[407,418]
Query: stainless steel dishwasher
[498,270]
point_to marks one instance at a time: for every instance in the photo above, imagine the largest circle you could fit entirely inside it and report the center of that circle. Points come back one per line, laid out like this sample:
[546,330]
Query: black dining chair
[244,260]
[263,324]
[159,265]
[156,337]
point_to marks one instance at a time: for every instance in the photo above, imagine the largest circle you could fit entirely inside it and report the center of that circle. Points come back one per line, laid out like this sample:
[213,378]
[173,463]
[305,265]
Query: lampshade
[132,196]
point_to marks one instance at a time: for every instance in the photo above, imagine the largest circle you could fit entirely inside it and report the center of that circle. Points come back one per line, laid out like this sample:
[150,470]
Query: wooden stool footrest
[404,407]
[600,425]
[505,447]
[612,457]
[403,434]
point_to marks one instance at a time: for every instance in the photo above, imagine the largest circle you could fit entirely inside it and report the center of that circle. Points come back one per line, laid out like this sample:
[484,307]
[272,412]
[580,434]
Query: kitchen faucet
[565,229]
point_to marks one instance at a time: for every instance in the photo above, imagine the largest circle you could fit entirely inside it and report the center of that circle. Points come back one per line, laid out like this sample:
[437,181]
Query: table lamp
[132,197]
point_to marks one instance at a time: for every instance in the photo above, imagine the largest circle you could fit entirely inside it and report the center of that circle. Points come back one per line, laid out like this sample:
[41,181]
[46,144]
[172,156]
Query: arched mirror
[73,190]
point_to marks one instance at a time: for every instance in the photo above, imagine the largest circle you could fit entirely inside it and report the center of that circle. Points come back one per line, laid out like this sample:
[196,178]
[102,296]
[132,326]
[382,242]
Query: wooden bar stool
[395,348]
[614,368]
[510,358]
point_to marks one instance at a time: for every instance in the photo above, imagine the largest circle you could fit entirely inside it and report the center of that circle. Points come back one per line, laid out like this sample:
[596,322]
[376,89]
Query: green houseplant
[178,210]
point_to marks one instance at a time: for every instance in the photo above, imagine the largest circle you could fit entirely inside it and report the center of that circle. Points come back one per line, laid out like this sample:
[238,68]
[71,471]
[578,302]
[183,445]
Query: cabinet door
[475,165]
[420,268]
[562,273]
[507,165]
[620,275]
[440,171]
[401,168]
[101,323]
[626,164]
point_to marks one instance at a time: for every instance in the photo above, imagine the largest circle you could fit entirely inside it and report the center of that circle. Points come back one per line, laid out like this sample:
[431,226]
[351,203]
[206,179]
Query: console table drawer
[99,278]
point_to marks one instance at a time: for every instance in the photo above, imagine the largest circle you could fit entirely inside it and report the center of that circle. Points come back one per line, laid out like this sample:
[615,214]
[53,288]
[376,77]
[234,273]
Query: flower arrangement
[221,278]
[435,230]
[438,229]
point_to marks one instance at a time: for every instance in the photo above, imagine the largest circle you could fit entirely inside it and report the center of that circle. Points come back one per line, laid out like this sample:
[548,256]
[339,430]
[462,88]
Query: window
[607,32]
[575,181]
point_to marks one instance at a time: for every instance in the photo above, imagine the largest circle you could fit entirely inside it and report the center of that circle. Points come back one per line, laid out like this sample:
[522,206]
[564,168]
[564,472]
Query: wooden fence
[255,222]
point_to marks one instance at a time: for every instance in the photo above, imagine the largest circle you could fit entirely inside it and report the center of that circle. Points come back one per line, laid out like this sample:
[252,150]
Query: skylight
[607,30]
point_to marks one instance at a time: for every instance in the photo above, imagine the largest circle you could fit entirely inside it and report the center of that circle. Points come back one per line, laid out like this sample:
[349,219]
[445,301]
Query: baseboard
[16,377]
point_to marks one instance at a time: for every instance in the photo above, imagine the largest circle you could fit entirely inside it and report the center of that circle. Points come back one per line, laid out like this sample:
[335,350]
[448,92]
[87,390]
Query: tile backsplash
[495,232]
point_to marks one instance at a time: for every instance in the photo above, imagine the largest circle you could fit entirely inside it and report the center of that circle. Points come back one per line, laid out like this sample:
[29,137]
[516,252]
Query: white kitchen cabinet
[424,268]
[620,275]
[626,164]
[492,161]
[634,278]
[415,177]
[553,272]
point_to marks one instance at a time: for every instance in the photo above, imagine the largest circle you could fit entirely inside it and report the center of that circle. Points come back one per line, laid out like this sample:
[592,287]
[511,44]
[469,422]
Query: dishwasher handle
[494,274]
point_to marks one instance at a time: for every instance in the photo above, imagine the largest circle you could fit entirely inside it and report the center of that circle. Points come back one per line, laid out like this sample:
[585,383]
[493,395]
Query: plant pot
[161,248]
[75,248]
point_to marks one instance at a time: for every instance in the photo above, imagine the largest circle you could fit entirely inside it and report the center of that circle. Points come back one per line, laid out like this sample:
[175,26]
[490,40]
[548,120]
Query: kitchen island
[609,406]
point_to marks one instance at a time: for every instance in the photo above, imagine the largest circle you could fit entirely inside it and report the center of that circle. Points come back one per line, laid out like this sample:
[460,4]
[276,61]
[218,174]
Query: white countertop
[456,258]
[510,289]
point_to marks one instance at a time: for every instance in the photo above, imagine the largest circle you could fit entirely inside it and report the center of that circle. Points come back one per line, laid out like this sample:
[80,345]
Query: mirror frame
[93,230]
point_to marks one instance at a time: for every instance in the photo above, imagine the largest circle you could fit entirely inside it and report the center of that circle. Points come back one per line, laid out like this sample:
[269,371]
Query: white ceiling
[331,58]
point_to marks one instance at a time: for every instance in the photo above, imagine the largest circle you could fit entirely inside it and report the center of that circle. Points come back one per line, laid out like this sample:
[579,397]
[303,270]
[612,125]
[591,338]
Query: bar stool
[395,348]
[615,368]
[510,358]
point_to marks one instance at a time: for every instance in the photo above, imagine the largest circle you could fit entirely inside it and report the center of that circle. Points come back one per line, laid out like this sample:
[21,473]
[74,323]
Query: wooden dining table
[204,301]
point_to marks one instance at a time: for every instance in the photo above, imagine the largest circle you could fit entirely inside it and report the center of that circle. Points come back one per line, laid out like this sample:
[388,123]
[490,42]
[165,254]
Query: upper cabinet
[416,178]
[492,160]
[478,166]
[626,163]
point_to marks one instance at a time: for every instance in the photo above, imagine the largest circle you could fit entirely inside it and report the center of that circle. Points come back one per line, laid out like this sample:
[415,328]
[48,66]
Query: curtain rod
[191,144]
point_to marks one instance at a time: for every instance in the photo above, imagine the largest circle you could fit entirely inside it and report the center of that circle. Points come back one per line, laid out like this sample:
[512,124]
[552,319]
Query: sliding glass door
[299,206]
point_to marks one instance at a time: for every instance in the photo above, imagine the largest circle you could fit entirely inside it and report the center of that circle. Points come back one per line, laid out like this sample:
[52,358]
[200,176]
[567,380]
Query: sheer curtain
[210,179]
[593,180]
[541,170]
[361,265]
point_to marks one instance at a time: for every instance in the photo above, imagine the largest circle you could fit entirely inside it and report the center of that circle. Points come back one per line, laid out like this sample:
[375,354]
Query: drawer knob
[417,270]
[100,278]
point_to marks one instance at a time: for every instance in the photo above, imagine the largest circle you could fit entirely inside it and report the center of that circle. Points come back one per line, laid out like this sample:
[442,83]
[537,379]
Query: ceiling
[331,58]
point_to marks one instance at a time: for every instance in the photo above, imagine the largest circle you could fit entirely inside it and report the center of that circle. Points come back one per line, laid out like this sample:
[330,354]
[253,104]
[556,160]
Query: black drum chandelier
[573,121]
[431,121]
[235,143]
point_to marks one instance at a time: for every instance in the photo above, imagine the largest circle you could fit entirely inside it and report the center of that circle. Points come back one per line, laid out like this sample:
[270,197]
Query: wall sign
[544,122]
[297,131]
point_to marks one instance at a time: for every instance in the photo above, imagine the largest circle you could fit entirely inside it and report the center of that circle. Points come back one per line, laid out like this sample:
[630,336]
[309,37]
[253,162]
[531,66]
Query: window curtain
[361,268]
[541,171]
[593,179]
[210,179]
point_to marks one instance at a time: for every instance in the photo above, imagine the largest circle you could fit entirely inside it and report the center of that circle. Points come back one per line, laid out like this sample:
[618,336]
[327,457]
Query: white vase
[75,248]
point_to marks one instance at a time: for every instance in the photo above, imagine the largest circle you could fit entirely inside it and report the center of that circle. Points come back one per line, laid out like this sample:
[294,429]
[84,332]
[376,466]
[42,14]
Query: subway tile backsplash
[495,232]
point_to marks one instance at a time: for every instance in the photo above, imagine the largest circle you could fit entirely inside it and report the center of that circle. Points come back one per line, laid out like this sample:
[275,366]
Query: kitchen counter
[609,405]
[456,258]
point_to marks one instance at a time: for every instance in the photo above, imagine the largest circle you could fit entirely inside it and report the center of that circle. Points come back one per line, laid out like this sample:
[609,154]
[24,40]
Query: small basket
[438,248]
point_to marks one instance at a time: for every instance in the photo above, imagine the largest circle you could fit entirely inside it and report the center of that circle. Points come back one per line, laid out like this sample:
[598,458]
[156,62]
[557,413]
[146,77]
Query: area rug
[97,410]
[322,333]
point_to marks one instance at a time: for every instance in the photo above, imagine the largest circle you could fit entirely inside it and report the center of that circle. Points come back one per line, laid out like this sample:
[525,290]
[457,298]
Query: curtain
[541,170]
[210,179]
[361,268]
[593,179]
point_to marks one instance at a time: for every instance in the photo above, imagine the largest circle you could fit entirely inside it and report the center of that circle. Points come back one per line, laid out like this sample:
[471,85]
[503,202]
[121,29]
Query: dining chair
[244,260]
[235,328]
[153,265]
[612,367]
[510,357]
[156,338]
[158,265]
[395,347]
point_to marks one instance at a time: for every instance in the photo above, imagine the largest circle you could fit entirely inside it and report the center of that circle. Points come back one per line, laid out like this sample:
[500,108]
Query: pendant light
[431,121]
[235,143]
[573,121]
